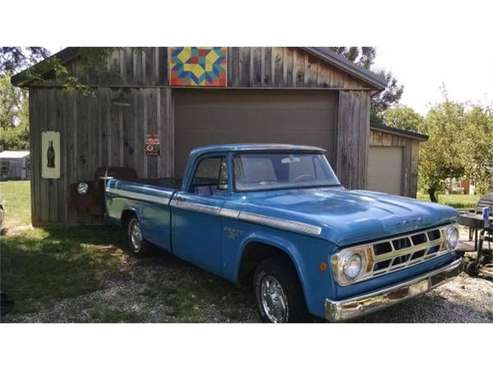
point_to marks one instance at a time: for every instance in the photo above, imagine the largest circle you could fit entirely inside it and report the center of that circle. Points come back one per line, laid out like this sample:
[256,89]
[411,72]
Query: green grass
[453,200]
[38,266]
[16,199]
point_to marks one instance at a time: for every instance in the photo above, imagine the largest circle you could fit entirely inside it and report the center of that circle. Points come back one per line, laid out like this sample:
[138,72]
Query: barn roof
[340,62]
[397,131]
[325,54]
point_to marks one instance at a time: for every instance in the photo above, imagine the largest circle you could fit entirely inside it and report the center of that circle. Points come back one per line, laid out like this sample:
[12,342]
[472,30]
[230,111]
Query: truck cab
[277,218]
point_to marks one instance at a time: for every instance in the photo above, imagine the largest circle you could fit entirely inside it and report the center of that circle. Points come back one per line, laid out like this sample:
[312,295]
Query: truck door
[197,225]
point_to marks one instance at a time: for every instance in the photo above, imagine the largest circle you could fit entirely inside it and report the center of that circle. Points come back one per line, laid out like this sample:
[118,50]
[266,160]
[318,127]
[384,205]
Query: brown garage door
[233,116]
[385,169]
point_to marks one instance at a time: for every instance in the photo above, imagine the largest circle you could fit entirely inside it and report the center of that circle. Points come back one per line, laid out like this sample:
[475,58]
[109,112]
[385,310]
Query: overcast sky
[467,73]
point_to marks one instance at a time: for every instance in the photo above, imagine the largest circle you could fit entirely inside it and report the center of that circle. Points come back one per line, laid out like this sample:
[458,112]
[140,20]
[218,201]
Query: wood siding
[410,158]
[353,125]
[95,132]
[267,67]
[284,67]
[116,67]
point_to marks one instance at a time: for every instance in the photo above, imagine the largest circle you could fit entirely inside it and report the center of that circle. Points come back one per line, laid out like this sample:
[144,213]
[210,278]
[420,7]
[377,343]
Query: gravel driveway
[165,289]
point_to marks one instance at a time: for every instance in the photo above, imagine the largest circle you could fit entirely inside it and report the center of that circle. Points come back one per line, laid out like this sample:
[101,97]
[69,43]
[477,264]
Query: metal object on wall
[92,201]
[152,146]
[50,155]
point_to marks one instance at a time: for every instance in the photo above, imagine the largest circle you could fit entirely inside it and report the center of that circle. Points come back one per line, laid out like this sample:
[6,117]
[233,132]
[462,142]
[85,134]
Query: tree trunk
[432,193]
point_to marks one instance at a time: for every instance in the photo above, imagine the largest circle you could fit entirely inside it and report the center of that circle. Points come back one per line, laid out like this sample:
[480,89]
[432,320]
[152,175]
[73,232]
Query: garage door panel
[385,169]
[204,117]
[220,117]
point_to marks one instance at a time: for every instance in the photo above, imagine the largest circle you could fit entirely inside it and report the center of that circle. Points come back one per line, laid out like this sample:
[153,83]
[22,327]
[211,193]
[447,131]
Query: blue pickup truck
[276,217]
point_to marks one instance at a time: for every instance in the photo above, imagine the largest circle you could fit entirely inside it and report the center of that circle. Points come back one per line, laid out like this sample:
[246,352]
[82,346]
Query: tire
[472,269]
[276,285]
[137,245]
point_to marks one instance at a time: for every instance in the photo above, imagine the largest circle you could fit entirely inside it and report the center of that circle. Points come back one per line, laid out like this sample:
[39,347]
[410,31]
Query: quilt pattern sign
[194,66]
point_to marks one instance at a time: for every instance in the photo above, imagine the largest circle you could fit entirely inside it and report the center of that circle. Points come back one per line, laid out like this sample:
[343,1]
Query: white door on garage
[204,117]
[385,169]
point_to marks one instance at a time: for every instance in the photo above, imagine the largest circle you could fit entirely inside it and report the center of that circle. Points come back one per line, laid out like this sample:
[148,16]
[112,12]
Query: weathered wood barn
[149,106]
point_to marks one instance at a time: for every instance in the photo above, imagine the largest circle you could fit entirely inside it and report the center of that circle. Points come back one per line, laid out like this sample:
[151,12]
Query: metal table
[483,261]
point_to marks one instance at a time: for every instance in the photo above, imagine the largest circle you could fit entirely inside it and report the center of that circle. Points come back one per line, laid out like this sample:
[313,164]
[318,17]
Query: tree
[402,117]
[15,59]
[387,98]
[441,157]
[14,110]
[364,57]
[478,146]
[14,116]
[11,99]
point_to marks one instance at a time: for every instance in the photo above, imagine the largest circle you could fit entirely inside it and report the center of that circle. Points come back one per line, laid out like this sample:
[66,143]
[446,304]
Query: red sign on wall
[152,146]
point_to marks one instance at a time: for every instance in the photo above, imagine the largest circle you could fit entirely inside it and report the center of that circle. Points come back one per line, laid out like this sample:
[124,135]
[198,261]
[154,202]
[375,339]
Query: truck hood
[349,217]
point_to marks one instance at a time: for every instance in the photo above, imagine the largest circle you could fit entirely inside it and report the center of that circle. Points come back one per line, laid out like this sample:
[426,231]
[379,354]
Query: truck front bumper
[363,304]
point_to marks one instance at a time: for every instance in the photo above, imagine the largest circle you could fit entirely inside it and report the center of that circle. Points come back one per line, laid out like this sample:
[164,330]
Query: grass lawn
[16,199]
[453,200]
[38,265]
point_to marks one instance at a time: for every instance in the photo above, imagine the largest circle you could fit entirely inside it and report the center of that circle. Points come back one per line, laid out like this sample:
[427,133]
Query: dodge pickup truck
[276,217]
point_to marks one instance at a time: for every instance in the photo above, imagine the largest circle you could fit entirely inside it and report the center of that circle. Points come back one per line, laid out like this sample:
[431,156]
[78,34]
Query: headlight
[351,264]
[351,267]
[82,188]
[452,236]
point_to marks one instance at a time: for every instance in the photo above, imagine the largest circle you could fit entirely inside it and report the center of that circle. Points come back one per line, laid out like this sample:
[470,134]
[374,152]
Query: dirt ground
[164,289]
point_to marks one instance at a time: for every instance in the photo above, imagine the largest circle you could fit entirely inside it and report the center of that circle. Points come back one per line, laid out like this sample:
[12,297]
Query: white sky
[466,72]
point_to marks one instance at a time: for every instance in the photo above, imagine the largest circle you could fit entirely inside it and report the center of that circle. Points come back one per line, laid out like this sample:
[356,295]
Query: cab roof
[253,147]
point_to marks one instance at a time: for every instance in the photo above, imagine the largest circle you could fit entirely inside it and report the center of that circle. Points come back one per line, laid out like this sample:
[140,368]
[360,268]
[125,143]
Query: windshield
[265,171]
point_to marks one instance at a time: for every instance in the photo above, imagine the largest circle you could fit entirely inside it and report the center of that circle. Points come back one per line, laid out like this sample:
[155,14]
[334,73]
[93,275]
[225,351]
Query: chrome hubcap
[274,301]
[136,236]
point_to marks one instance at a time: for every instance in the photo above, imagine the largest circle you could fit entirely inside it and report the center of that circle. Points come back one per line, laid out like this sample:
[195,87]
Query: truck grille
[397,253]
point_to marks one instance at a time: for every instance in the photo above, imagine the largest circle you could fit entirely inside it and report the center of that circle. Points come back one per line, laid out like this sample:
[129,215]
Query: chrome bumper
[361,305]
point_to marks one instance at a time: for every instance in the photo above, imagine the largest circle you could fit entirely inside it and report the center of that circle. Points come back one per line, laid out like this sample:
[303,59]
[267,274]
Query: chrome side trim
[230,213]
[278,223]
[164,199]
[364,304]
[197,207]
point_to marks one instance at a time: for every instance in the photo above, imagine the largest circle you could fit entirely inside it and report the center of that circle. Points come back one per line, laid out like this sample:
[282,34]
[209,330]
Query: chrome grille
[400,252]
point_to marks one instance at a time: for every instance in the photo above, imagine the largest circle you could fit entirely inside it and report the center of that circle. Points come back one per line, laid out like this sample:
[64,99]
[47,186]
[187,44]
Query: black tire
[472,268]
[137,248]
[281,269]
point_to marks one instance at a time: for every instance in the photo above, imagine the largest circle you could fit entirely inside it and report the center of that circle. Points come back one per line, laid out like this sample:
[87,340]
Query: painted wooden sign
[50,154]
[193,66]
[152,147]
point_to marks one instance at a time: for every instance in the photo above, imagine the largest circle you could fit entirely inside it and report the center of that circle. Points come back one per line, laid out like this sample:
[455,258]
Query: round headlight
[82,188]
[352,266]
[452,235]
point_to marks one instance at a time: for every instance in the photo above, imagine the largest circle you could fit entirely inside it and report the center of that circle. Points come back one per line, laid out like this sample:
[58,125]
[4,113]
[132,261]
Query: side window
[211,176]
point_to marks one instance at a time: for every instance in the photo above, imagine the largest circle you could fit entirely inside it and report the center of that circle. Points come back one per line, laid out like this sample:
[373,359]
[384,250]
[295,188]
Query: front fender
[283,244]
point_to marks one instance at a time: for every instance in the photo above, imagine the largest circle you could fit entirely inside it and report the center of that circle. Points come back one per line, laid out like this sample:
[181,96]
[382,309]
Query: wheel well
[126,216]
[255,253]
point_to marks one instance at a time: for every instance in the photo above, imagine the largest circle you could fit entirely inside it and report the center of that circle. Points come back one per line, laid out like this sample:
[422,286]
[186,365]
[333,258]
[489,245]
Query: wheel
[136,243]
[472,268]
[278,292]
